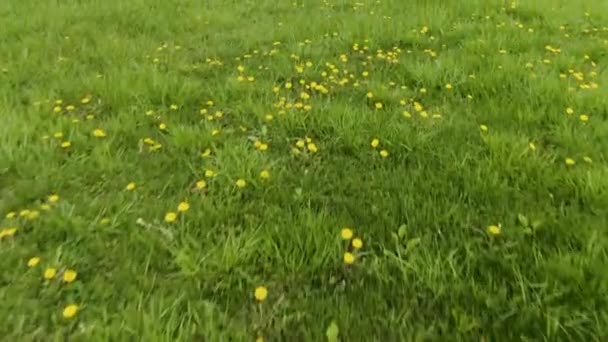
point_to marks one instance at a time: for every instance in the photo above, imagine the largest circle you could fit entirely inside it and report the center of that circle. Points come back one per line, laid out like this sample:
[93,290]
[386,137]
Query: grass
[484,220]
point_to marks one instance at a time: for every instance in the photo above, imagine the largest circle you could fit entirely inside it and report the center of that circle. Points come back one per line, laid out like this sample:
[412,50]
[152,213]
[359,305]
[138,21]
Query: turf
[463,142]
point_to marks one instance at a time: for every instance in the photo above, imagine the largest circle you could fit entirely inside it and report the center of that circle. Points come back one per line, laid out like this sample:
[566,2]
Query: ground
[304,170]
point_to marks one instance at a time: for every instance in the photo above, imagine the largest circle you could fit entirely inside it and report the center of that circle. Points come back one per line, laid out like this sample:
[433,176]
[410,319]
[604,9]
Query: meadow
[312,170]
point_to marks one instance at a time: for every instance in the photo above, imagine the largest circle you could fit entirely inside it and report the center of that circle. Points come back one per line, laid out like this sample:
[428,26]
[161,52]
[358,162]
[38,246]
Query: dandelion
[569,111]
[312,148]
[174,107]
[99,133]
[201,184]
[130,187]
[357,243]
[206,152]
[379,105]
[209,173]
[532,146]
[33,214]
[50,273]
[70,108]
[7,232]
[11,215]
[265,174]
[58,135]
[260,293]
[375,142]
[162,126]
[448,86]
[349,258]
[493,230]
[57,109]
[183,207]
[369,95]
[569,161]
[384,153]
[170,217]
[70,311]
[241,183]
[33,262]
[584,117]
[300,143]
[85,100]
[66,144]
[54,198]
[69,276]
[346,233]
[587,160]
[407,114]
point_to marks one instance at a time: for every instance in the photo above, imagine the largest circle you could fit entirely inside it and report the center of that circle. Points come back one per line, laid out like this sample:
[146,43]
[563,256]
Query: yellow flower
[11,215]
[584,117]
[170,217]
[130,187]
[569,111]
[260,293]
[448,86]
[569,161]
[33,214]
[201,184]
[70,311]
[483,128]
[349,258]
[58,135]
[241,183]
[375,143]
[45,207]
[53,198]
[66,144]
[494,229]
[174,107]
[532,146]
[33,262]
[70,108]
[50,273]
[312,148]
[357,243]
[57,109]
[7,232]
[587,160]
[346,233]
[378,105]
[407,114]
[265,174]
[69,276]
[162,126]
[85,100]
[300,143]
[370,95]
[183,207]
[206,152]
[384,153]
[209,173]
[99,133]
[263,147]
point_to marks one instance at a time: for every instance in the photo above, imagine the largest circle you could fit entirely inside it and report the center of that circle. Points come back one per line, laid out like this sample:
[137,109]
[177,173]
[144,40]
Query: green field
[163,163]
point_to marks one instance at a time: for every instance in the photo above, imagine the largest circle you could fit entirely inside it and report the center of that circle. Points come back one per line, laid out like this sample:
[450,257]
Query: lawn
[303,170]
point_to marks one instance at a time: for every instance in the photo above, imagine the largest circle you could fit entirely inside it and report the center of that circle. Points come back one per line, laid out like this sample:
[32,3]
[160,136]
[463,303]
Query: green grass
[491,150]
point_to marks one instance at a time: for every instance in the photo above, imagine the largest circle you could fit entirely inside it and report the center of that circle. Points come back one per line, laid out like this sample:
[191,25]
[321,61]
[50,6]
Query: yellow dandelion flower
[33,262]
[569,111]
[407,114]
[569,161]
[54,198]
[69,276]
[384,153]
[11,215]
[33,214]
[584,117]
[263,147]
[215,132]
[300,143]
[532,146]
[174,107]
[130,187]
[357,243]
[209,173]
[170,217]
[50,273]
[260,293]
[312,148]
[70,311]
[448,86]
[349,258]
[587,159]
[45,207]
[369,95]
[85,100]
[494,230]
[70,108]
[201,184]
[241,183]
[375,142]
[7,232]
[162,126]
[483,128]
[99,133]
[66,144]
[57,109]
[379,105]
[265,174]
[346,233]
[183,207]
[58,135]
[206,152]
